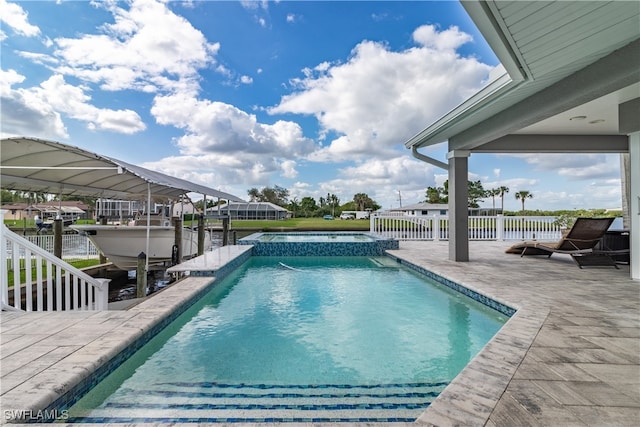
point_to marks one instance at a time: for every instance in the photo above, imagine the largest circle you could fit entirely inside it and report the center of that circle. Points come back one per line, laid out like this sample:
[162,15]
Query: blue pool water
[300,339]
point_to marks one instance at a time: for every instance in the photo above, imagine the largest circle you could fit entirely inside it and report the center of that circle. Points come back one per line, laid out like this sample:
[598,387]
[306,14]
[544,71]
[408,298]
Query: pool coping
[463,394]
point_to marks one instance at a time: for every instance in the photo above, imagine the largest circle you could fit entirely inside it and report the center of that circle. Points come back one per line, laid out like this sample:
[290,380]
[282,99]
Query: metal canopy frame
[36,165]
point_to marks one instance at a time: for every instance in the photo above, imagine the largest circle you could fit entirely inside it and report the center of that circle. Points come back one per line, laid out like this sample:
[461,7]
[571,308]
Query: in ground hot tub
[318,244]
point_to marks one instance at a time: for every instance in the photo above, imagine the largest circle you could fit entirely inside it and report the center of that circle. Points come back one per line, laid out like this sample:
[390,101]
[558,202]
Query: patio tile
[585,393]
[510,412]
[626,348]
[613,374]
[607,415]
[531,369]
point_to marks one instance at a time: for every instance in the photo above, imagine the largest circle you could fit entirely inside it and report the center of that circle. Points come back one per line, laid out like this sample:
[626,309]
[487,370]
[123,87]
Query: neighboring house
[68,209]
[430,209]
[423,209]
[186,208]
[250,210]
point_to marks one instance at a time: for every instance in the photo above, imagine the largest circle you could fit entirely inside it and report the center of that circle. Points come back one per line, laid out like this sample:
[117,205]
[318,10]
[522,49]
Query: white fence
[436,227]
[49,282]
[75,247]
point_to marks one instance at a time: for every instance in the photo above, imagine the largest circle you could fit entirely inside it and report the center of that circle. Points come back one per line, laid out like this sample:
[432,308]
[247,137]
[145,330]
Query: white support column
[458,205]
[634,202]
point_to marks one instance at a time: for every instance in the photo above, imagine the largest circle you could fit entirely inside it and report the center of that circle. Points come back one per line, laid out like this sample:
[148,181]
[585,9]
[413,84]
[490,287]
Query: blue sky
[315,97]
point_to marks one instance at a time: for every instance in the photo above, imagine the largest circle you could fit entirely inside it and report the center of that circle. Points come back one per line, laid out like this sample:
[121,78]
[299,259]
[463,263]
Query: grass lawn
[23,275]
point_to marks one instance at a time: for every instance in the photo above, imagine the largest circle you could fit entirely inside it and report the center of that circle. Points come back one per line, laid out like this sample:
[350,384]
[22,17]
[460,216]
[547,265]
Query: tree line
[308,206]
[330,205]
[476,192]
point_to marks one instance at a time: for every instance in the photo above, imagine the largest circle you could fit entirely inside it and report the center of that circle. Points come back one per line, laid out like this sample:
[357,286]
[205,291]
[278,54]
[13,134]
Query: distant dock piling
[141,276]
[201,235]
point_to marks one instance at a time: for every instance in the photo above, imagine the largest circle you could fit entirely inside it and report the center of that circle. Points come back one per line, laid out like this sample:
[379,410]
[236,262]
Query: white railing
[58,285]
[436,227]
[75,247]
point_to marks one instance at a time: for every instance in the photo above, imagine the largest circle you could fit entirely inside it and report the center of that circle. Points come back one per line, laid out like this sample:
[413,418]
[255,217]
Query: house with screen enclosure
[571,84]
[250,211]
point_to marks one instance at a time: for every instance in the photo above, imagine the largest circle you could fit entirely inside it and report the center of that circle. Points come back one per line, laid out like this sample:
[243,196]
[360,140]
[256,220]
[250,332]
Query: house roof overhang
[37,165]
[558,57]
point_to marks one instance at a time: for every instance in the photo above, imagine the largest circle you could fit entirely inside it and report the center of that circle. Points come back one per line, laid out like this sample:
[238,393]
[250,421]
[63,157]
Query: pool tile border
[463,289]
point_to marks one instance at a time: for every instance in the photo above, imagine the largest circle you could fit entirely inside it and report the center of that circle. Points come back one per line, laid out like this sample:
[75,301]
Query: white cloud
[379,98]
[448,40]
[289,169]
[17,19]
[26,111]
[576,166]
[219,127]
[222,137]
[136,51]
[7,79]
[383,181]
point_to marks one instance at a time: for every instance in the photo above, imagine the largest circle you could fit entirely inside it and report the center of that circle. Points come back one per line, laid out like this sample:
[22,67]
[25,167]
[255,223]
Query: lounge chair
[579,242]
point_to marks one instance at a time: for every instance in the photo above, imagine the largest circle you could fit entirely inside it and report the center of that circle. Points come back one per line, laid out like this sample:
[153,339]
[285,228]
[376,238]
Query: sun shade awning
[36,165]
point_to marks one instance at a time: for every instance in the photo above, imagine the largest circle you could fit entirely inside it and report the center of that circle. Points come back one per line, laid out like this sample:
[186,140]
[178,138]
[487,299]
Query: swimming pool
[318,244]
[303,339]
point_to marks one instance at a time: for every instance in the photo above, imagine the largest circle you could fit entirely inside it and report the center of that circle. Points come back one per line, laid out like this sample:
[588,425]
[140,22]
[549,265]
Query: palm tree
[360,200]
[333,201]
[493,193]
[503,189]
[522,195]
[294,205]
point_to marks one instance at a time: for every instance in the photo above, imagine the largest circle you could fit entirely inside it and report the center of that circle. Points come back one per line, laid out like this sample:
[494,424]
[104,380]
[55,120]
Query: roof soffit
[544,41]
[613,73]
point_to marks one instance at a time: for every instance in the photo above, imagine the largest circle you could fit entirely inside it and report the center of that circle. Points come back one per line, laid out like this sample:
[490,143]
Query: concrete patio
[570,356]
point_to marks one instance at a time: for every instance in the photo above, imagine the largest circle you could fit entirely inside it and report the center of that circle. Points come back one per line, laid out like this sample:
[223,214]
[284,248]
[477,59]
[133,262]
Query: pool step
[213,402]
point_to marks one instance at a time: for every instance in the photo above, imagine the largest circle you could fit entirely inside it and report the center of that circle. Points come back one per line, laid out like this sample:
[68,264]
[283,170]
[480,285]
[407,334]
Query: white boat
[122,244]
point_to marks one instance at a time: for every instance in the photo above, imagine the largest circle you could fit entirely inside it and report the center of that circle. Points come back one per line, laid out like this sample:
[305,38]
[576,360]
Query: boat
[122,244]
[43,226]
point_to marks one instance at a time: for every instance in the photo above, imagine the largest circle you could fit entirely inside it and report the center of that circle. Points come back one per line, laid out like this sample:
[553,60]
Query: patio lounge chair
[579,242]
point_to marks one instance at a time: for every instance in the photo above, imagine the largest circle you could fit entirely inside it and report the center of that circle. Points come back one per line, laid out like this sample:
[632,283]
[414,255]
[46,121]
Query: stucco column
[634,202]
[458,205]
[629,124]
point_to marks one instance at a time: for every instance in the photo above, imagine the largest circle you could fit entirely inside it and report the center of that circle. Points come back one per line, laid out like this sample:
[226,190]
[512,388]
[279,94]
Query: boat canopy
[36,165]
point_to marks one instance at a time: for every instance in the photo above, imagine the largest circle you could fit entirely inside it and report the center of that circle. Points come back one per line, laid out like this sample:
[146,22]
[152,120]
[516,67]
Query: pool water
[300,339]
